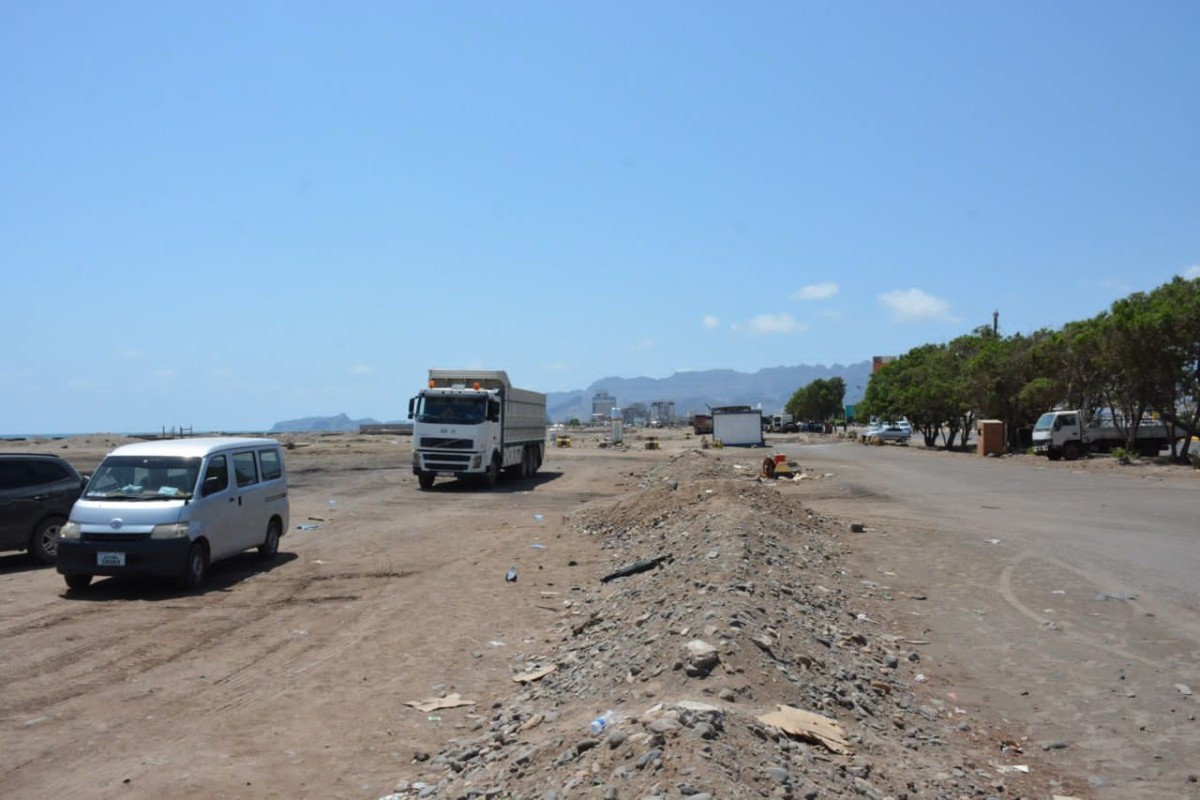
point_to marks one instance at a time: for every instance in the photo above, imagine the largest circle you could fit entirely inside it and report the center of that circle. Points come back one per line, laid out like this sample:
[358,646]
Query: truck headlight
[176,530]
[69,532]
[476,461]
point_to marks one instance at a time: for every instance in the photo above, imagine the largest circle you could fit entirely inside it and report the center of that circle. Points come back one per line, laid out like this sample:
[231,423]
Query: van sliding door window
[218,471]
[245,469]
[271,468]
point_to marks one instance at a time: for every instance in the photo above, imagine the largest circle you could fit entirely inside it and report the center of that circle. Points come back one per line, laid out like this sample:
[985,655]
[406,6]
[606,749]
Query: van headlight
[176,530]
[69,532]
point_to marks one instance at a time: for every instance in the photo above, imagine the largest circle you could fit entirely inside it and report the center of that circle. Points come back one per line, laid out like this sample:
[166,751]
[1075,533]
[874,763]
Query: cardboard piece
[808,726]
[434,703]
[535,675]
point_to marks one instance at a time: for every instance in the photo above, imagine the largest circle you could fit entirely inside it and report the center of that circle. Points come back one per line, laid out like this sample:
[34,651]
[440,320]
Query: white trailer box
[738,425]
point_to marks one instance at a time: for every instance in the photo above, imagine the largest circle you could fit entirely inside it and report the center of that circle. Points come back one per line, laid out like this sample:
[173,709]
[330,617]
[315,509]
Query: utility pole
[996,322]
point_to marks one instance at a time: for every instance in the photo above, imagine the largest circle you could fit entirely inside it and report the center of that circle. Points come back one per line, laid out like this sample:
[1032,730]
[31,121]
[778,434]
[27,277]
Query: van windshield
[456,410]
[144,478]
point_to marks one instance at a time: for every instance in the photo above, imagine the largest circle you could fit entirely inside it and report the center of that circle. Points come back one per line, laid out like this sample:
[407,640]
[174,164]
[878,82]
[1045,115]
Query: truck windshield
[1045,422]
[144,478]
[456,410]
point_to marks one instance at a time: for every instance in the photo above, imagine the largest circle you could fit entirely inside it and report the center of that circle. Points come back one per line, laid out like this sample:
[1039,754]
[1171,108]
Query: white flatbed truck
[473,424]
[1074,433]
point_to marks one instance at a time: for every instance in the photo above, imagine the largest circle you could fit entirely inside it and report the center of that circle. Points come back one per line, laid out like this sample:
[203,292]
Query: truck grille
[447,444]
[447,461]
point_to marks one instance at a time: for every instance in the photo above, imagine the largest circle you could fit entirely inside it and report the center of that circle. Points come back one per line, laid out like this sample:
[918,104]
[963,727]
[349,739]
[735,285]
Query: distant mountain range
[692,392]
[696,392]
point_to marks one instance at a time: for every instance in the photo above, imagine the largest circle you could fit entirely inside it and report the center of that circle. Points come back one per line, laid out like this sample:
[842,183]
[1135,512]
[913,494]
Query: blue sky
[227,214]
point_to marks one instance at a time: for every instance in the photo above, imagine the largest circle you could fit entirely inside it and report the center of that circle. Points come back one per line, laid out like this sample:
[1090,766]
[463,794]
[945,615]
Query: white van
[170,508]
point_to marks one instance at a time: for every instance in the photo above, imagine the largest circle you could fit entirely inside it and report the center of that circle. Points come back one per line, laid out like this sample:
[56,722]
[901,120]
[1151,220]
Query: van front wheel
[195,569]
[270,545]
[78,581]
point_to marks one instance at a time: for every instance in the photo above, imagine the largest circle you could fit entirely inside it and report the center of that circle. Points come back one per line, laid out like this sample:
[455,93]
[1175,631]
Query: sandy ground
[291,679]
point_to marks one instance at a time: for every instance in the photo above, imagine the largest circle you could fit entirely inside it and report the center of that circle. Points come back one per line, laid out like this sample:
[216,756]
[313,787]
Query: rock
[702,657]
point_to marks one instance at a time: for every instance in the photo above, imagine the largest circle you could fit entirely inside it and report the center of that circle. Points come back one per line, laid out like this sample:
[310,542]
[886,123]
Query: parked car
[888,432]
[37,492]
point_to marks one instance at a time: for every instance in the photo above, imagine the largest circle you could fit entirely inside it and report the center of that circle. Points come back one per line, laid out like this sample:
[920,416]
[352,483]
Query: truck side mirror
[493,411]
[411,402]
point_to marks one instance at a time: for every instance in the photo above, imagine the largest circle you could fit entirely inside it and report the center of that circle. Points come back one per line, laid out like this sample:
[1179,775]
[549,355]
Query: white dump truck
[474,423]
[1071,434]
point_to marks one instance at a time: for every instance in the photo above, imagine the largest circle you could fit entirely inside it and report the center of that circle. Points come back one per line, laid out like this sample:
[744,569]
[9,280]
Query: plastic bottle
[602,723]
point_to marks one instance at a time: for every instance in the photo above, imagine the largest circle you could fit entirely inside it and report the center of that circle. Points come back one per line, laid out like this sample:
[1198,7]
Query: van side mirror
[211,484]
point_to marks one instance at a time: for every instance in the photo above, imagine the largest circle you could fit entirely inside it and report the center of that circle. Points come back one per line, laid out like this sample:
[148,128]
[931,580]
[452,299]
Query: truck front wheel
[1070,450]
[493,473]
[425,480]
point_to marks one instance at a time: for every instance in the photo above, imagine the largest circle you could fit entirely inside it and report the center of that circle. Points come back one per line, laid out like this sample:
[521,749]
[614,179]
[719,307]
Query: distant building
[879,362]
[663,411]
[603,404]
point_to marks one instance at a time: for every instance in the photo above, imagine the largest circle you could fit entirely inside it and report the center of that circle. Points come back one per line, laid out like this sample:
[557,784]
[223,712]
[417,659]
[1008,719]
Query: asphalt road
[1060,596]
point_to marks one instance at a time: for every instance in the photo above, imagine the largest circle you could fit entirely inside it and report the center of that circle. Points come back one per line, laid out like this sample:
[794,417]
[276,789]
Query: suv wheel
[43,544]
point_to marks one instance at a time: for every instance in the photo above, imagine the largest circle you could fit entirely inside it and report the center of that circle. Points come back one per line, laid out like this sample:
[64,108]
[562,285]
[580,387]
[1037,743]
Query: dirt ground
[295,678]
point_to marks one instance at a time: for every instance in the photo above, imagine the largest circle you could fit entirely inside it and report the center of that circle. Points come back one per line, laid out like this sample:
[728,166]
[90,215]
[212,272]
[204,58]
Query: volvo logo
[116,523]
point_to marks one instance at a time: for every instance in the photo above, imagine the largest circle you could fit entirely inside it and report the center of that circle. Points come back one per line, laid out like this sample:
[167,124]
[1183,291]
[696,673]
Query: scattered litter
[1005,769]
[454,700]
[992,541]
[1116,596]
[808,726]
[308,526]
[297,632]
[318,561]
[634,568]
[511,575]
[539,546]
[535,675]
[604,721]
[1057,745]
[332,504]
[497,643]
[434,718]
[317,519]
[857,527]
[538,517]
[1184,689]
[1058,591]
[920,677]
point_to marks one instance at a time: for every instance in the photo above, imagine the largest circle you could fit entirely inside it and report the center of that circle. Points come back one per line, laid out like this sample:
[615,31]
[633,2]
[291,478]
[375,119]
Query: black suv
[36,495]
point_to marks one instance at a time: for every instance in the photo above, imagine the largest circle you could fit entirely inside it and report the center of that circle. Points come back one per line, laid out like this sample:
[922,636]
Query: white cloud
[130,354]
[914,304]
[711,322]
[1192,272]
[768,324]
[361,369]
[642,345]
[164,373]
[816,291]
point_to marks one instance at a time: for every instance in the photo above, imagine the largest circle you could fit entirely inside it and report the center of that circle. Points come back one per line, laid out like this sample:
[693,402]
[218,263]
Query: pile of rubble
[727,654]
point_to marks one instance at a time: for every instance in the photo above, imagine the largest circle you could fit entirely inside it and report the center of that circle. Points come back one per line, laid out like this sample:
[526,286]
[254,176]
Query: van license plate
[110,559]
